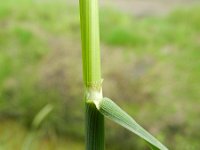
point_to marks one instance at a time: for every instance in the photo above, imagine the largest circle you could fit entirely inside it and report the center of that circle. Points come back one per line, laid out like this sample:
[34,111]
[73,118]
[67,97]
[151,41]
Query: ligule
[112,111]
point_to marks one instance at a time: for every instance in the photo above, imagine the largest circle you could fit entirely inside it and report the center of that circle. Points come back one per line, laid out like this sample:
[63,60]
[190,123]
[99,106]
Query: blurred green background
[150,63]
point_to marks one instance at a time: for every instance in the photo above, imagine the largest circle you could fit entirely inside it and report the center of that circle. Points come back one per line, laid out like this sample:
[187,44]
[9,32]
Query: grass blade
[41,115]
[112,111]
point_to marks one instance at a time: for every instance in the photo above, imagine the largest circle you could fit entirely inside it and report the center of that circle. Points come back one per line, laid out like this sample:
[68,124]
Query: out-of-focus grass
[13,134]
[157,63]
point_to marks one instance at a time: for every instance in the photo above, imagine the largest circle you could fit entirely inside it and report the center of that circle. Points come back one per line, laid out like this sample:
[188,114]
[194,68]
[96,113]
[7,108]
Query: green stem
[94,128]
[90,42]
[91,73]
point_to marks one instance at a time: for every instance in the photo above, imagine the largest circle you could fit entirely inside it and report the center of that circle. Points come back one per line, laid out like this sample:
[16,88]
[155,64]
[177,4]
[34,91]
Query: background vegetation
[151,66]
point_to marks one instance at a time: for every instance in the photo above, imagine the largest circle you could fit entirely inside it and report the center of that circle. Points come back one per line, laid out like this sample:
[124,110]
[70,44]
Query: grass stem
[91,72]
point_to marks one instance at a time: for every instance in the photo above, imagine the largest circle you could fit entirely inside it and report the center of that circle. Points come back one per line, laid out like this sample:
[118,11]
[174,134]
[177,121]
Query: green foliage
[112,111]
[165,61]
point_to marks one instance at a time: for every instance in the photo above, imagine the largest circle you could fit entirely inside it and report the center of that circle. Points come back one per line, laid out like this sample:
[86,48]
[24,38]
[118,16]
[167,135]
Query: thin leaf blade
[112,111]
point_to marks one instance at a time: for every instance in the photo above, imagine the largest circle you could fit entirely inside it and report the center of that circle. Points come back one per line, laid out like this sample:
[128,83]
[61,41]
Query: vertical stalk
[91,73]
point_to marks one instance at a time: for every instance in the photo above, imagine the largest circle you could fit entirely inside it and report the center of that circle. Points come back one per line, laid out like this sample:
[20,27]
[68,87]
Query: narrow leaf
[112,111]
[41,115]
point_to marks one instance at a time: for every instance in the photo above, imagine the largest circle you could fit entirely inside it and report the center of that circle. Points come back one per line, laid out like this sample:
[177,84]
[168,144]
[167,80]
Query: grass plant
[31,70]
[96,105]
